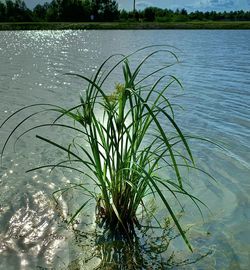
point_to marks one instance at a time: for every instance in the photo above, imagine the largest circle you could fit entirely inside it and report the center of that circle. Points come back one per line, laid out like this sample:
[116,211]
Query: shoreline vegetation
[105,14]
[230,25]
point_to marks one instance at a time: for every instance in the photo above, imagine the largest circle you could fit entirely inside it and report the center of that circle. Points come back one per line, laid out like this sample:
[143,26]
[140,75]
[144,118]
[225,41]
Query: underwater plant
[125,139]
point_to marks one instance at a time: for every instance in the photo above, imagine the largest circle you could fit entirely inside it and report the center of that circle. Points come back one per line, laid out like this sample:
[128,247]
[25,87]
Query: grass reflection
[150,248]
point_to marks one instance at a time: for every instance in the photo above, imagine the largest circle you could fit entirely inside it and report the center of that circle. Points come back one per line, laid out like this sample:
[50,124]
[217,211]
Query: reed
[128,146]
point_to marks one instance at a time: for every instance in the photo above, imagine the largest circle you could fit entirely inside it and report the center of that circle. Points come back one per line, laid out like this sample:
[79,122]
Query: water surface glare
[215,71]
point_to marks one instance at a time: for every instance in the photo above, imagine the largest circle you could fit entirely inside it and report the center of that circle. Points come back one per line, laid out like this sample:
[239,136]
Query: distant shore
[124,25]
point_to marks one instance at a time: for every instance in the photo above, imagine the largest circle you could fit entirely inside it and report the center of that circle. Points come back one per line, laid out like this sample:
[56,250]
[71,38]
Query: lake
[214,69]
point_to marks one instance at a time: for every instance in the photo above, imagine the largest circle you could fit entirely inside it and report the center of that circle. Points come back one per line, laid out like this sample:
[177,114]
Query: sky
[190,5]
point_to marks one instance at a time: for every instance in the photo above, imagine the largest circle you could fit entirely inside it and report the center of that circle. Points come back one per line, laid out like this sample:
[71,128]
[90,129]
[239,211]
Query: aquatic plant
[151,249]
[125,139]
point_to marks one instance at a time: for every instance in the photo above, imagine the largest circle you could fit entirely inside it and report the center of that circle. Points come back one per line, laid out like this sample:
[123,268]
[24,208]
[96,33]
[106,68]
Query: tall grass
[134,140]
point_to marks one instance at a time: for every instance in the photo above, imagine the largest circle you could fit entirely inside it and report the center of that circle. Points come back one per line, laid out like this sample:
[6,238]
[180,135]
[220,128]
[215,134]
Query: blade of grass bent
[78,211]
[170,210]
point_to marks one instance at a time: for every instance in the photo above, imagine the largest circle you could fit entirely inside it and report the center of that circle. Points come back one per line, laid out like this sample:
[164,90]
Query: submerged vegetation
[150,249]
[127,148]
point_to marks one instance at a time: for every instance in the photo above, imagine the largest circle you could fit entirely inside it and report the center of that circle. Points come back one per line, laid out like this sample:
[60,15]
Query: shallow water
[214,70]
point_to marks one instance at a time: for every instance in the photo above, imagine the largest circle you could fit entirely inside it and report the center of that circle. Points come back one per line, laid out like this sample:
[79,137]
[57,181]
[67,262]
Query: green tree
[52,13]
[105,10]
[73,10]
[17,11]
[149,14]
[2,12]
[39,12]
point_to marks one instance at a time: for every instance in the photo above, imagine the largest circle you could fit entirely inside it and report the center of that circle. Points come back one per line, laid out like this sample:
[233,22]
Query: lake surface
[215,71]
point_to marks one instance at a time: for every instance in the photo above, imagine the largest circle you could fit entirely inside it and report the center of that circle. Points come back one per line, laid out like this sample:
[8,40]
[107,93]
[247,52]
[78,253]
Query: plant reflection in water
[150,248]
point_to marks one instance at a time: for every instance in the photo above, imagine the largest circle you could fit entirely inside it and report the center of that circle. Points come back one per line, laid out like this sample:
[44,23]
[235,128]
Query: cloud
[219,5]
[214,1]
[223,4]
[143,4]
[191,5]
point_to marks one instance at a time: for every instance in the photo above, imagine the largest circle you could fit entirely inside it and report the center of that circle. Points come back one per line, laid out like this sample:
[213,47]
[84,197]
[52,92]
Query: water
[215,73]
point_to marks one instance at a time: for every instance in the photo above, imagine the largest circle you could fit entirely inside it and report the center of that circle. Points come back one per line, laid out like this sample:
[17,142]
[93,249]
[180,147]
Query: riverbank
[125,25]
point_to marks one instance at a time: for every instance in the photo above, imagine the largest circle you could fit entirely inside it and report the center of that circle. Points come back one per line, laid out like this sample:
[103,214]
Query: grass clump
[125,139]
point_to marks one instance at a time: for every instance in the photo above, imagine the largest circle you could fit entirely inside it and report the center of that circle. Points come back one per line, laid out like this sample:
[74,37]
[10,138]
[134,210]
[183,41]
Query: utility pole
[134,7]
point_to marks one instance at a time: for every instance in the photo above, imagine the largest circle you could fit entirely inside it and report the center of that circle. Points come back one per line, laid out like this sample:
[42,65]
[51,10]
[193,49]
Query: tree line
[60,10]
[105,10]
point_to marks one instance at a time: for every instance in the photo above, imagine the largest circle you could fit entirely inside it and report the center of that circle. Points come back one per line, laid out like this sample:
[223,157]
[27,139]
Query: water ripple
[215,74]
